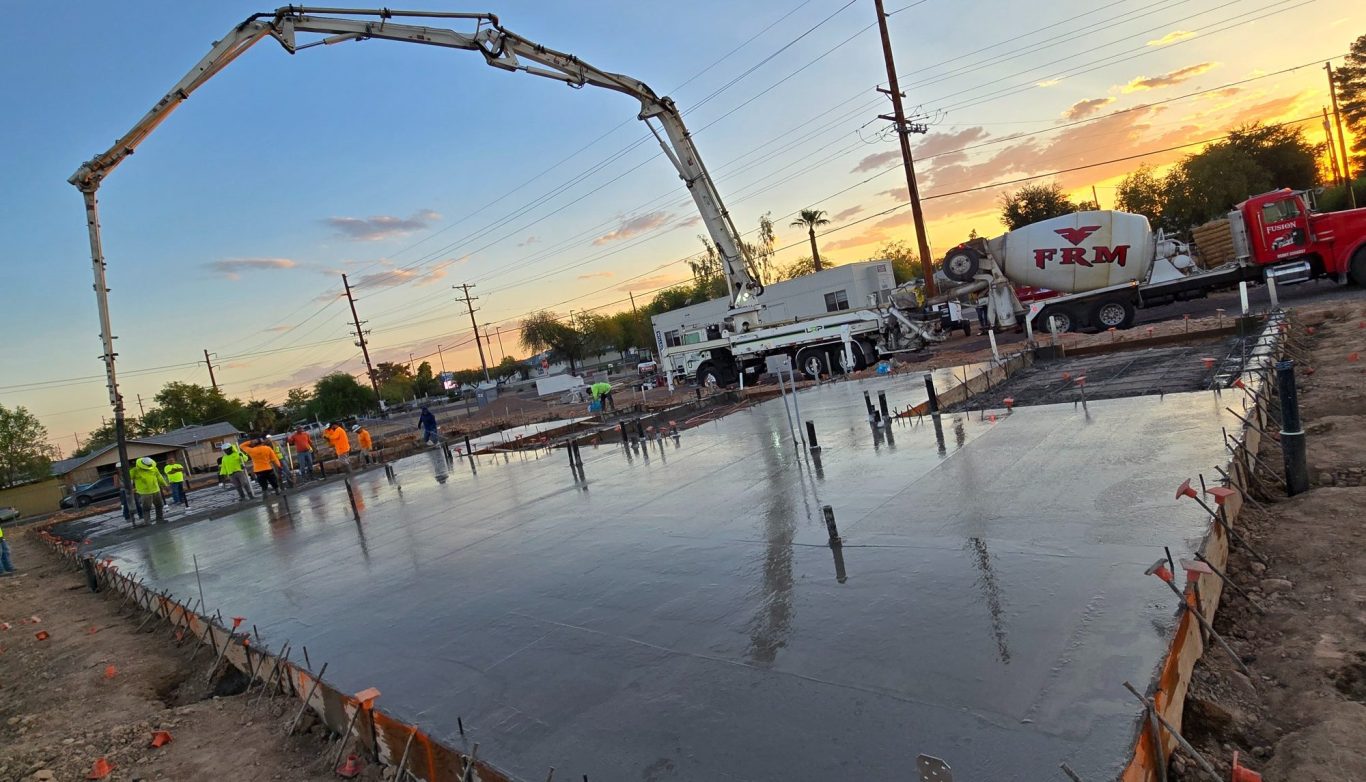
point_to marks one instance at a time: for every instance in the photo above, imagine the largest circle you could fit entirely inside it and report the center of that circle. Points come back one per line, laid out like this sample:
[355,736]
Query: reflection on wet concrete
[680,620]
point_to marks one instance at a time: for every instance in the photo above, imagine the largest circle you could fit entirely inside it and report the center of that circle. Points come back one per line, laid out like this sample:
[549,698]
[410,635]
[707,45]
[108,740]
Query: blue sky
[413,169]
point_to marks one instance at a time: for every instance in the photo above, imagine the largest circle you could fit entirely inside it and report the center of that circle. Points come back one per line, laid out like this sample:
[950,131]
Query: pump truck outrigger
[859,336]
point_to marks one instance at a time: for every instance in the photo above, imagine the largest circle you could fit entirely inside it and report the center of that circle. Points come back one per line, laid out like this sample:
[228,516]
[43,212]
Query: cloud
[1085,108]
[279,329]
[897,193]
[1046,82]
[845,214]
[945,148]
[634,226]
[1168,79]
[595,276]
[530,240]
[649,283]
[392,277]
[381,227]
[1172,37]
[232,268]
[877,161]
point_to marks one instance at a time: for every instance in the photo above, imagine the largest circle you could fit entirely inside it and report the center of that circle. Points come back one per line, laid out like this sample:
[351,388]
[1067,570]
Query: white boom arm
[502,49]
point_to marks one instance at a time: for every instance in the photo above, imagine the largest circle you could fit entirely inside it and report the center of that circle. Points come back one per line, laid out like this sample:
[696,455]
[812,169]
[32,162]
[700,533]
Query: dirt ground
[98,688]
[1302,633]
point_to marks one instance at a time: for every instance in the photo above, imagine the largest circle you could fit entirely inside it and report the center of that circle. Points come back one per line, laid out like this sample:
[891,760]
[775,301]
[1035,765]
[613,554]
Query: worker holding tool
[427,423]
[602,394]
[175,475]
[336,437]
[230,467]
[263,464]
[303,448]
[148,484]
[365,442]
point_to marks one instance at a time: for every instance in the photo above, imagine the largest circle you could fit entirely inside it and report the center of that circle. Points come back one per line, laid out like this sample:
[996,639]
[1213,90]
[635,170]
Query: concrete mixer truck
[1106,265]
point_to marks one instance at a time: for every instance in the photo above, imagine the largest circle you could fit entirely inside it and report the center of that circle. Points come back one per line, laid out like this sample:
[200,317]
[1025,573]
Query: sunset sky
[413,169]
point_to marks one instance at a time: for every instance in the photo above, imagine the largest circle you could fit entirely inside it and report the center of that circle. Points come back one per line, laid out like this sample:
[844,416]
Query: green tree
[339,395]
[1350,83]
[546,331]
[1142,192]
[1288,159]
[669,299]
[798,268]
[811,219]
[25,453]
[1207,185]
[1033,203]
[98,438]
[424,382]
[297,401]
[759,253]
[386,371]
[508,368]
[261,417]
[185,404]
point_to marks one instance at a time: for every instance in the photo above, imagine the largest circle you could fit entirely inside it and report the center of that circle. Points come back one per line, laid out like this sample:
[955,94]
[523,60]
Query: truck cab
[1281,231]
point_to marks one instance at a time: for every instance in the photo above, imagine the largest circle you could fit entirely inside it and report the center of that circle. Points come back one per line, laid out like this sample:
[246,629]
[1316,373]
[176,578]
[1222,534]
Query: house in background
[196,447]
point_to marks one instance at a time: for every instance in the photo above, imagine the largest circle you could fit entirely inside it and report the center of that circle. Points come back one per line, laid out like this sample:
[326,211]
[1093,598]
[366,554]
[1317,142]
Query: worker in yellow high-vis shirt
[6,567]
[175,475]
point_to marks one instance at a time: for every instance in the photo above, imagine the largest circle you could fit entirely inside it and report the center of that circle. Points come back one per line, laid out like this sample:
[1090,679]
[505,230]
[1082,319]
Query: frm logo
[1081,256]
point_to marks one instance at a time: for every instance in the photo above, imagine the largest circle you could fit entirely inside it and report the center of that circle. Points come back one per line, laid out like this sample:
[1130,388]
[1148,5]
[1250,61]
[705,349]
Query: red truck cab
[1279,230]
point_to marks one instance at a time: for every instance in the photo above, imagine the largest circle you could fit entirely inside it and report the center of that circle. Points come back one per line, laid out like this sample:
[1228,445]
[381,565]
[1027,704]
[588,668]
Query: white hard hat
[147,461]
[227,446]
[355,428]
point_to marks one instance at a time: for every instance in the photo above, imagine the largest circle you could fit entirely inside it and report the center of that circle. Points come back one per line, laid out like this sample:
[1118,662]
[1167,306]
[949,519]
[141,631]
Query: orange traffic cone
[101,769]
[160,739]
[350,767]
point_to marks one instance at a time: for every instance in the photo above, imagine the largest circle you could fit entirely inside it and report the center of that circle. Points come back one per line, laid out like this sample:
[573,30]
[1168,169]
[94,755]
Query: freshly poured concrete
[680,616]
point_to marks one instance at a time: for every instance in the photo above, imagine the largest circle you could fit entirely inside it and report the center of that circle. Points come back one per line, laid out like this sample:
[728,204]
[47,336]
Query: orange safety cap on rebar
[1242,773]
[110,671]
[350,767]
[160,738]
[1221,493]
[1208,362]
[101,769]
[41,635]
[1185,490]
[1353,356]
[237,620]
[367,696]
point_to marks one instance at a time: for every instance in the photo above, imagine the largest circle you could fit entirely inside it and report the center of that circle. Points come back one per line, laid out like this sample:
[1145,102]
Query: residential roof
[65,466]
[188,435]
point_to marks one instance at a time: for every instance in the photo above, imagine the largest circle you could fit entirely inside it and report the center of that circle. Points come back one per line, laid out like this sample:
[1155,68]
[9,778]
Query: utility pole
[904,130]
[1342,139]
[1332,152]
[469,302]
[209,364]
[1095,199]
[498,332]
[442,357]
[360,341]
[141,410]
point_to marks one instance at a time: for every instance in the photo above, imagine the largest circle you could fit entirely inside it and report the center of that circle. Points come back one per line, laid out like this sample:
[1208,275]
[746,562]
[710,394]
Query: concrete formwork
[678,613]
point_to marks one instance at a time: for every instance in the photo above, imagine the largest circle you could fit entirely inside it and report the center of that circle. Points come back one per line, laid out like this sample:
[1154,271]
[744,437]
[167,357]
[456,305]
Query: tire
[1113,314]
[708,376]
[811,362]
[962,264]
[1356,272]
[83,501]
[1065,317]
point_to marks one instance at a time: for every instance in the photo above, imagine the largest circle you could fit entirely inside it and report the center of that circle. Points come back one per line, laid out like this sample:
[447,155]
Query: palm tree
[812,219]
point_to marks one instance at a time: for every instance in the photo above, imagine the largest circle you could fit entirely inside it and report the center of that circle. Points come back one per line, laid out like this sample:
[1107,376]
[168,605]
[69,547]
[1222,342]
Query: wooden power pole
[1342,139]
[904,130]
[469,304]
[213,382]
[360,341]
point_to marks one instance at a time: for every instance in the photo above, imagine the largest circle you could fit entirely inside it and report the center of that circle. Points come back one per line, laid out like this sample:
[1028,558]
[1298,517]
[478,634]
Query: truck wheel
[962,264]
[1113,314]
[811,362]
[1064,317]
[707,376]
[1357,271]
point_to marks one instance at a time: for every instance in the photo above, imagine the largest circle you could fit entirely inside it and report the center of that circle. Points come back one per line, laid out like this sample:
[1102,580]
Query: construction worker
[303,448]
[148,484]
[230,468]
[6,567]
[175,475]
[602,393]
[263,464]
[427,423]
[367,445]
[336,437]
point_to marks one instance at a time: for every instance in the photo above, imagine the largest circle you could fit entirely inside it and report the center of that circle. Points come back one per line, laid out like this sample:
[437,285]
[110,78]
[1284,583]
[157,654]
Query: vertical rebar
[1292,432]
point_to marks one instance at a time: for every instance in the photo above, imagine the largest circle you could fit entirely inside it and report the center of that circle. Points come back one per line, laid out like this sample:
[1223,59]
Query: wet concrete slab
[680,615]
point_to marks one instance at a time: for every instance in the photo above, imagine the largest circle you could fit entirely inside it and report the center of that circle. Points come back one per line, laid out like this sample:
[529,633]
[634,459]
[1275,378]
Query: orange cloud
[1172,37]
[1169,78]
[634,226]
[1085,108]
